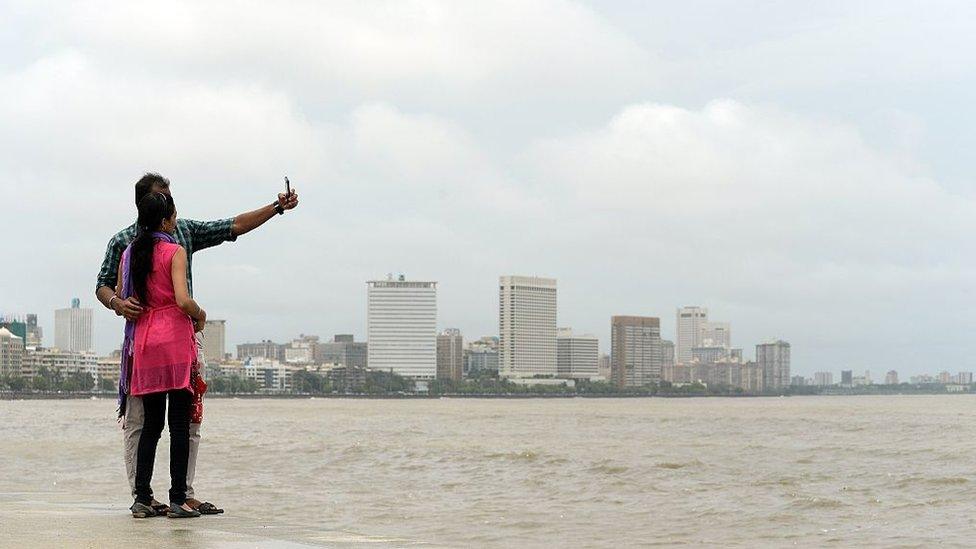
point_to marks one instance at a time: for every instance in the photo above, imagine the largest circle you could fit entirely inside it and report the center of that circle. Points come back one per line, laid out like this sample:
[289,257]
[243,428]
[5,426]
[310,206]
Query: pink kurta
[165,349]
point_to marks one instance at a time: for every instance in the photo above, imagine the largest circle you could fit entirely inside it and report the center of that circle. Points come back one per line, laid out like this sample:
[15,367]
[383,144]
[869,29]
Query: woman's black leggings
[179,443]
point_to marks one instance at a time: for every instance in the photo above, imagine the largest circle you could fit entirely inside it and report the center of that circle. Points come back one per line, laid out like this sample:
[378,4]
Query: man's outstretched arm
[248,221]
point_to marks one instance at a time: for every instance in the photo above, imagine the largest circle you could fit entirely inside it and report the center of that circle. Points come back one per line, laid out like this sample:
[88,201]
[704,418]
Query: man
[193,236]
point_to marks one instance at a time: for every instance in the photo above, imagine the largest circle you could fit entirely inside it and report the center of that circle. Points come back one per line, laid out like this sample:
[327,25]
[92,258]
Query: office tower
[635,350]
[823,379]
[690,321]
[213,339]
[577,355]
[527,326]
[264,349]
[667,360]
[716,334]
[343,350]
[35,334]
[11,353]
[73,328]
[450,355]
[774,359]
[401,327]
[481,357]
[847,378]
[891,378]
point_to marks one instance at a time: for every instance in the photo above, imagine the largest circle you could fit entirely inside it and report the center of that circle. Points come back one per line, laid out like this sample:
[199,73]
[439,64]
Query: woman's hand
[200,320]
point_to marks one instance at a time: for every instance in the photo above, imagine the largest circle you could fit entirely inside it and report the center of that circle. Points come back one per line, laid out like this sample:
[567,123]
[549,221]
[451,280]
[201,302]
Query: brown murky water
[582,472]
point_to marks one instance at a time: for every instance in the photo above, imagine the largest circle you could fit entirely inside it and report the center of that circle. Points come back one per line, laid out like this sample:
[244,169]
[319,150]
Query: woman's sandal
[207,508]
[177,511]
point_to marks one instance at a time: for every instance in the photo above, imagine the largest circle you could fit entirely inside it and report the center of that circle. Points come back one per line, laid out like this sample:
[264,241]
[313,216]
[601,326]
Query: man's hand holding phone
[288,199]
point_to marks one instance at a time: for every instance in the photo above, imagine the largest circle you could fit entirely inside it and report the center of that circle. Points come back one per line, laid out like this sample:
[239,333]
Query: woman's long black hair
[153,209]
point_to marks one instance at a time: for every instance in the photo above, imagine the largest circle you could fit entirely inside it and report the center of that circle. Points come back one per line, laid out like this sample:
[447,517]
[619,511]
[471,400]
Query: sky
[801,169]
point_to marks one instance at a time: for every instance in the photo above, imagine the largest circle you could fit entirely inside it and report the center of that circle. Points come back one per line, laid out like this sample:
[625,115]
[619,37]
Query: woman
[162,348]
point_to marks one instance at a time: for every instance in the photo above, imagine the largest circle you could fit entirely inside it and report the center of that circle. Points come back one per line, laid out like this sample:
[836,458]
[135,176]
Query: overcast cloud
[801,170]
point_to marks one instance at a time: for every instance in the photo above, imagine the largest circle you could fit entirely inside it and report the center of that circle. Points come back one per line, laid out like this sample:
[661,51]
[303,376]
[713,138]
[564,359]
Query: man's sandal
[141,510]
[207,508]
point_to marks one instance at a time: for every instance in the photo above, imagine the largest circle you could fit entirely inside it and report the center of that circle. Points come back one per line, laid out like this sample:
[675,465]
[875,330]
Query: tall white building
[73,328]
[527,326]
[401,327]
[689,330]
[577,355]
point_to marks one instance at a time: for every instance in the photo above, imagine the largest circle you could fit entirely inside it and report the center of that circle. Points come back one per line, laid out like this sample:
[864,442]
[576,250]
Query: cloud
[763,209]
[460,141]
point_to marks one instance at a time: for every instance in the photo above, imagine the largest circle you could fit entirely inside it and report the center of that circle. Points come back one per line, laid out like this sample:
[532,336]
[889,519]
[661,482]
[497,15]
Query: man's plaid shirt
[192,235]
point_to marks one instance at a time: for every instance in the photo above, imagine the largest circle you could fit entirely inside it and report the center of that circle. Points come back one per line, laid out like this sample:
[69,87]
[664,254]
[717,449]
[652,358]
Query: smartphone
[287,186]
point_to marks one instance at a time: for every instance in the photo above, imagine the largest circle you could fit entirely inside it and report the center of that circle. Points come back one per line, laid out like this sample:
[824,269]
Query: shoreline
[16,395]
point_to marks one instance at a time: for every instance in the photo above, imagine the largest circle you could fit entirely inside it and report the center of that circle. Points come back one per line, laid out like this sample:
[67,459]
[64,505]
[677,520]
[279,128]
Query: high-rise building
[891,378]
[342,350]
[73,328]
[635,350]
[667,360]
[716,334]
[689,330]
[450,355]
[823,379]
[965,378]
[401,327]
[214,340]
[527,326]
[11,353]
[847,378]
[774,359]
[577,355]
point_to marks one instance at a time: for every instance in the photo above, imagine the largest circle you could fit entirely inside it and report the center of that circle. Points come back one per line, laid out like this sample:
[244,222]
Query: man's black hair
[145,184]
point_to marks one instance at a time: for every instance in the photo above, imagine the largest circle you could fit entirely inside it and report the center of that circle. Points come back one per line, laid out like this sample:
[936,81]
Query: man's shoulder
[124,236]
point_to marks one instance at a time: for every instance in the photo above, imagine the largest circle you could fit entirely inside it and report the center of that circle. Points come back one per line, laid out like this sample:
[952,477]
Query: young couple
[146,277]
